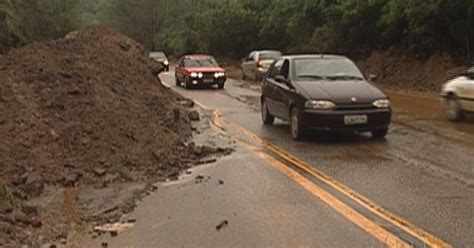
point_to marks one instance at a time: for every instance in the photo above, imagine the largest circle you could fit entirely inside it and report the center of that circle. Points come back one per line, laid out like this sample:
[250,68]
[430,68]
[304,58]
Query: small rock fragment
[223,224]
[18,180]
[206,161]
[100,172]
[30,209]
[173,115]
[199,179]
[36,223]
[193,115]
[68,164]
[111,209]
[187,103]
[221,182]
[53,134]
[34,184]
[21,217]
[113,233]
[198,150]
[158,155]
[70,180]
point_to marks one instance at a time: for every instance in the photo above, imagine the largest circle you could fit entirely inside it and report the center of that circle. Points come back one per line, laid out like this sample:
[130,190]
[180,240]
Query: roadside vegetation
[231,28]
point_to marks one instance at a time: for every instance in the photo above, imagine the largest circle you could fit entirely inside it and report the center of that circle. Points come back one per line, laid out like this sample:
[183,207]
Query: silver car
[256,64]
[458,96]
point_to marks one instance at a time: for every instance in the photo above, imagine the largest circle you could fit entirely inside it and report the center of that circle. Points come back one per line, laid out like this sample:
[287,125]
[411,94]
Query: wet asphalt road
[423,172]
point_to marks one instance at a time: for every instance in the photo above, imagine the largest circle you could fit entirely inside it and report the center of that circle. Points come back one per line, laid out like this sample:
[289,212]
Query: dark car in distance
[324,93]
[199,70]
[161,58]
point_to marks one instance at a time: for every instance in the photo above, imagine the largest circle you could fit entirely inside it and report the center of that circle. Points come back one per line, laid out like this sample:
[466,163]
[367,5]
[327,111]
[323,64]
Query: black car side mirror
[283,80]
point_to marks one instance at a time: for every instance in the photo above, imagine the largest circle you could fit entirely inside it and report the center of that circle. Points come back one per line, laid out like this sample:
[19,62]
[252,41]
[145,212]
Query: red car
[199,70]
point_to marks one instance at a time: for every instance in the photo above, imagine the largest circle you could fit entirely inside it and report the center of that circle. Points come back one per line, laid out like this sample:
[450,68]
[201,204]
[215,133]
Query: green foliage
[22,21]
[353,27]
[231,28]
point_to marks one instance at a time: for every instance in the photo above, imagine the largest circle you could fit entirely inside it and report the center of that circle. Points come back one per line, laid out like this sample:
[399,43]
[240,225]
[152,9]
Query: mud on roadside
[86,129]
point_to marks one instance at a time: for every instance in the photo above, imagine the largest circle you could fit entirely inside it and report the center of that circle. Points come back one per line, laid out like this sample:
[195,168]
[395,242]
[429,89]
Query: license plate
[208,81]
[355,119]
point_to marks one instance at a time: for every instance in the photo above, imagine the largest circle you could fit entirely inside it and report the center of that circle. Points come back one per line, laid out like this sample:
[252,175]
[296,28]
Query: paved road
[415,188]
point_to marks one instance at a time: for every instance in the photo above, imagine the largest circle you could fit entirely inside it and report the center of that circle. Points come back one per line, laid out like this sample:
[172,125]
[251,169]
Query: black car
[325,93]
[161,58]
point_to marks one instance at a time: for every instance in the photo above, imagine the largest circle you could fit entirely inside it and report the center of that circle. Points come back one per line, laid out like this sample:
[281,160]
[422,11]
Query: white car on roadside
[458,96]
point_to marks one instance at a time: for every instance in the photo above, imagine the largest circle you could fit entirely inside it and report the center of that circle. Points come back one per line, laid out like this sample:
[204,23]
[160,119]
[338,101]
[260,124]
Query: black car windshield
[204,62]
[269,55]
[326,69]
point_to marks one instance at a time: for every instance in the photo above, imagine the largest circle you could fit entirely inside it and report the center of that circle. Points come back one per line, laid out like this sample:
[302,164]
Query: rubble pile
[85,109]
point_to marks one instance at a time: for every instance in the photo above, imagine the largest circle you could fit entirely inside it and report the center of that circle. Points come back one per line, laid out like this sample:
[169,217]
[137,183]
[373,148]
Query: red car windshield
[201,62]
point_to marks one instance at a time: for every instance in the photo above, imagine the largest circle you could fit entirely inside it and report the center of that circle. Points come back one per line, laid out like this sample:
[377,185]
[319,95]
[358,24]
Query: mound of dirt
[87,108]
[91,100]
[399,71]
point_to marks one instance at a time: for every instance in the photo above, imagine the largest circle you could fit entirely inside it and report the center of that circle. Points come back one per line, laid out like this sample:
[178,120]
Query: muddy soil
[87,109]
[397,70]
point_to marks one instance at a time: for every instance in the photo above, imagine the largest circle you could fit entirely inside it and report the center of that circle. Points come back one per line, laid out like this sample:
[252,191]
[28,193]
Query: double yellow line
[363,222]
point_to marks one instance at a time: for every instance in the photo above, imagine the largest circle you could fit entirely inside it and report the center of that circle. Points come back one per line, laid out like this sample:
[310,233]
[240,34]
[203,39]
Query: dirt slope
[399,71]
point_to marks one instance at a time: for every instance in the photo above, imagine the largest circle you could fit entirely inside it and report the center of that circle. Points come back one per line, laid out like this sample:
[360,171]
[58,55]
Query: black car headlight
[382,103]
[316,104]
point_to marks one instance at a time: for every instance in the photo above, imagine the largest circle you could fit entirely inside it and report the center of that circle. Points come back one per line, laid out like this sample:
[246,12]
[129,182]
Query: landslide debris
[398,70]
[85,109]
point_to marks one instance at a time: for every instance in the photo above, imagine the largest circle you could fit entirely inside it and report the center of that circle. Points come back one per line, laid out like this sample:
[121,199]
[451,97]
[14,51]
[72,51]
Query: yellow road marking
[365,224]
[373,207]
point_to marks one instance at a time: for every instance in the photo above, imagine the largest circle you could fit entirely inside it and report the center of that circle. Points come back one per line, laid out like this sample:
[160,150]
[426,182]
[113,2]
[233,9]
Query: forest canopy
[231,28]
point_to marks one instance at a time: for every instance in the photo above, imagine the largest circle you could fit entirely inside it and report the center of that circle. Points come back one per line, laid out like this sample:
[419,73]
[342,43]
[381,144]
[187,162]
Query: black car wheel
[379,134]
[220,86]
[187,83]
[452,108]
[178,83]
[267,118]
[295,125]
